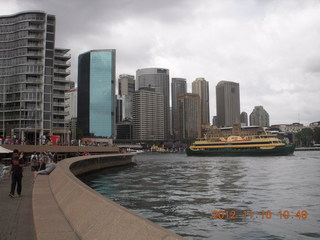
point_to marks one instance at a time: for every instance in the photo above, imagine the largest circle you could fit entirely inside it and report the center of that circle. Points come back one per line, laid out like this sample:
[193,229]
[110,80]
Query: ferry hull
[277,151]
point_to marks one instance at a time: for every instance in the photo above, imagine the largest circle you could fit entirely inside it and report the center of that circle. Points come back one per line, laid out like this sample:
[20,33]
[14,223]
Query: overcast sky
[270,47]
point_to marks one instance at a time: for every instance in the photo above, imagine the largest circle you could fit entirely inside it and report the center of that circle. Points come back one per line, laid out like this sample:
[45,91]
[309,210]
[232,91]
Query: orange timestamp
[236,214]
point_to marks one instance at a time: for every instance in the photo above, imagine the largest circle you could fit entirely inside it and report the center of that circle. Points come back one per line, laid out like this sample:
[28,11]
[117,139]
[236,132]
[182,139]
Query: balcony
[63,64]
[62,55]
[33,80]
[34,45]
[61,71]
[34,54]
[60,104]
[37,36]
[62,88]
[63,96]
[34,27]
[62,80]
[58,120]
[62,113]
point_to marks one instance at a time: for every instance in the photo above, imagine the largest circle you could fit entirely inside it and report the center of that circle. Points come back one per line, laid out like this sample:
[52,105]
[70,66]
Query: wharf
[307,149]
[16,216]
[61,151]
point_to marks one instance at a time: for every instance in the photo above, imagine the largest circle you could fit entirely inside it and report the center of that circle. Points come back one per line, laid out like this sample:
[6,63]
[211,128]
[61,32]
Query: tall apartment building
[201,87]
[96,92]
[157,78]
[259,117]
[72,108]
[33,77]
[244,119]
[148,115]
[189,116]
[178,88]
[59,94]
[228,103]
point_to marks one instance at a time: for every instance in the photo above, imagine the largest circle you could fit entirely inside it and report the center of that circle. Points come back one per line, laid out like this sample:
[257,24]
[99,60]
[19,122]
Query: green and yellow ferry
[259,145]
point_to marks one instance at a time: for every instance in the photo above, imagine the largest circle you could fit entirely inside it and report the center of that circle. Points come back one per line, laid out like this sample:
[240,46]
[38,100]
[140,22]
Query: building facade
[189,116]
[33,77]
[178,88]
[244,119]
[201,87]
[72,103]
[61,87]
[126,86]
[72,108]
[96,93]
[259,117]
[148,115]
[157,78]
[228,103]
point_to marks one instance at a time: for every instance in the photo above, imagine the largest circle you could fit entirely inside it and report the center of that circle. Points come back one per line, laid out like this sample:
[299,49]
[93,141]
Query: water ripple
[181,193]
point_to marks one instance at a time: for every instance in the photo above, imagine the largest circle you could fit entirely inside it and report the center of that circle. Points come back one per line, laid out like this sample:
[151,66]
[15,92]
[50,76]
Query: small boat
[259,145]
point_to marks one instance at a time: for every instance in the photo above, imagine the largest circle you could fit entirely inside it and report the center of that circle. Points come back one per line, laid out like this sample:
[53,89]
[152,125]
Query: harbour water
[264,197]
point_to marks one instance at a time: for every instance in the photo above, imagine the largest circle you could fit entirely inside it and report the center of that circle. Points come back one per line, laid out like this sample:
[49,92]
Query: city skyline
[271,55]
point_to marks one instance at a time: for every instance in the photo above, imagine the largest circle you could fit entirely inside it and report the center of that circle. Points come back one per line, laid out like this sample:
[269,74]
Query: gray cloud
[270,47]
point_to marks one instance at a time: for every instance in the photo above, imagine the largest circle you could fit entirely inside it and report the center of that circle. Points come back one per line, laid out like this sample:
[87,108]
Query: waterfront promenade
[16,217]
[60,206]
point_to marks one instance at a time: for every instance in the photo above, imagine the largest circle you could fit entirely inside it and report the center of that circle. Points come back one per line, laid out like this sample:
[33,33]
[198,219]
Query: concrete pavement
[16,217]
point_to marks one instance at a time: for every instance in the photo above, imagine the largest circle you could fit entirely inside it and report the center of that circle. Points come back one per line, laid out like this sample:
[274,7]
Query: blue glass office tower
[96,93]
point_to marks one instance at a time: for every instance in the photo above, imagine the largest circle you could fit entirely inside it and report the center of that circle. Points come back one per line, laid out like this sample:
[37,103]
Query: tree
[79,133]
[316,134]
[305,137]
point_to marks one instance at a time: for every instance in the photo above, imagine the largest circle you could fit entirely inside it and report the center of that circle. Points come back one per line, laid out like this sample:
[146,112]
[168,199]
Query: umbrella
[4,150]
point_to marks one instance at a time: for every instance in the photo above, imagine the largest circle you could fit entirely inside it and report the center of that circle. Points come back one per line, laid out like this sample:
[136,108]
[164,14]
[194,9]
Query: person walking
[15,171]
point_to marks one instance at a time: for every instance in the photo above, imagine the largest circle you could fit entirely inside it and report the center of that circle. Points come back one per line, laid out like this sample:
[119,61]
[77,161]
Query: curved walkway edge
[66,208]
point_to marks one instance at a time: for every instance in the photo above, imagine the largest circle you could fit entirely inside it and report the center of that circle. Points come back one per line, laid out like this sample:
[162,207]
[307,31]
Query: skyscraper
[126,86]
[178,88]
[244,119]
[148,115]
[189,116]
[33,77]
[157,78]
[228,103]
[259,117]
[96,92]
[201,87]
[72,103]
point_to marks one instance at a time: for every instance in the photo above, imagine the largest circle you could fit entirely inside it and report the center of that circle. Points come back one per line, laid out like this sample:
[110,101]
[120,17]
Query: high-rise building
[189,116]
[148,120]
[72,108]
[60,96]
[33,77]
[178,88]
[157,78]
[96,92]
[259,117]
[126,91]
[72,103]
[201,87]
[214,121]
[228,103]
[244,119]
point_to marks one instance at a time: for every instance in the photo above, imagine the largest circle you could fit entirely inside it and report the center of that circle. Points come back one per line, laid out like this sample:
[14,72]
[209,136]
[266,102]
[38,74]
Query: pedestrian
[15,171]
[34,161]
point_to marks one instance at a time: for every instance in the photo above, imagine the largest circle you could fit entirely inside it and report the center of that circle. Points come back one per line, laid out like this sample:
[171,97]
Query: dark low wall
[91,215]
[94,163]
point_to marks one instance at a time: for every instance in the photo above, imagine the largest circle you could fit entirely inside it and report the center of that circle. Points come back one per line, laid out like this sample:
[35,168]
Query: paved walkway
[16,219]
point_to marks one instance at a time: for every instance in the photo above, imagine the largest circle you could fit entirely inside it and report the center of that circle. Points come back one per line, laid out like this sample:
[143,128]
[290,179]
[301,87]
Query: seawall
[88,214]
